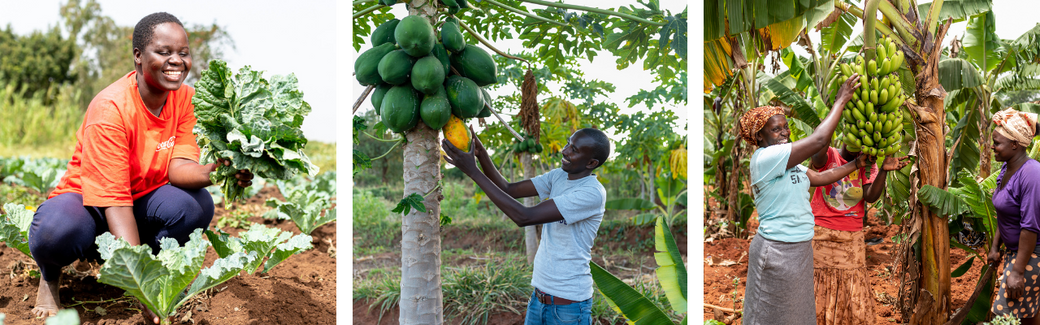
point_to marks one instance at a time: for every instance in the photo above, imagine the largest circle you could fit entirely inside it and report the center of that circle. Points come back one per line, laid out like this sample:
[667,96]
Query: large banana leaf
[834,36]
[941,202]
[775,23]
[981,42]
[958,73]
[802,109]
[966,155]
[1015,82]
[746,15]
[632,304]
[671,271]
[630,204]
[717,63]
[959,10]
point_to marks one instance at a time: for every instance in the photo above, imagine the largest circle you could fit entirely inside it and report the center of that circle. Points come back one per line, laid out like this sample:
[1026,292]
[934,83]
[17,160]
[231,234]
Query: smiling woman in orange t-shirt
[135,170]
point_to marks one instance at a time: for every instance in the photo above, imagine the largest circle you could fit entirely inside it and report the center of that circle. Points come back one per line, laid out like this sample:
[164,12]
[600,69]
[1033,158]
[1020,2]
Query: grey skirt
[779,286]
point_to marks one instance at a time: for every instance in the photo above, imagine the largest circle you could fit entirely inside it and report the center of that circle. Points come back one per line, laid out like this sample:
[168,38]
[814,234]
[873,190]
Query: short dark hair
[146,28]
[601,149]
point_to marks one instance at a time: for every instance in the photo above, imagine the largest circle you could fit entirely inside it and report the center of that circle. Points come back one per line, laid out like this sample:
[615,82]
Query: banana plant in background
[14,227]
[671,273]
[671,191]
[981,69]
[973,201]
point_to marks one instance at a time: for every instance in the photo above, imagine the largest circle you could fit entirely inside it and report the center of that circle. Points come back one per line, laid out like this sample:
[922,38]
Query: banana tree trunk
[986,138]
[530,232]
[933,303]
[421,297]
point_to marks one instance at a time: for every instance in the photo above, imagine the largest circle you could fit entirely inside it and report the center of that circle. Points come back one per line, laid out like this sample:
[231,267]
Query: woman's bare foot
[46,299]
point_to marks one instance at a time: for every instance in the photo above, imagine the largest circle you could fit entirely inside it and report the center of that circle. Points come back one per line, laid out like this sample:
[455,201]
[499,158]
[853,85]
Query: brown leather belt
[548,299]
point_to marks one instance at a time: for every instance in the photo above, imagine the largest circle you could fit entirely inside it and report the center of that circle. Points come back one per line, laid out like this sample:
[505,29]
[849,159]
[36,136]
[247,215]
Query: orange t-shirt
[123,151]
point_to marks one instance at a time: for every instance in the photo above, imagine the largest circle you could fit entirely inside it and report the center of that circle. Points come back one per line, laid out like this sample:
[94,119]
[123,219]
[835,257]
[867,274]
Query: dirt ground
[621,266]
[300,290]
[726,259]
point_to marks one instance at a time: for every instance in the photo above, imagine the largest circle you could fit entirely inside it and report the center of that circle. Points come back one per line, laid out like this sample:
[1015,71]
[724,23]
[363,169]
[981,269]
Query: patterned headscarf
[1015,125]
[753,120]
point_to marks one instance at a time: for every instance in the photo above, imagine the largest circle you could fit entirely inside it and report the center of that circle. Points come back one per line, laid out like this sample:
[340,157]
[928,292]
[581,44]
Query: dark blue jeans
[578,313]
[63,230]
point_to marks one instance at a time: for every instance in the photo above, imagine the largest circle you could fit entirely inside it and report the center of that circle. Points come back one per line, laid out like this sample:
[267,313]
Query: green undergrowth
[472,293]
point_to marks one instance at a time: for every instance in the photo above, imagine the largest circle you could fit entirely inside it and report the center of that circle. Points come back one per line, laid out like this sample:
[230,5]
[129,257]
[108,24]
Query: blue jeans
[63,230]
[578,313]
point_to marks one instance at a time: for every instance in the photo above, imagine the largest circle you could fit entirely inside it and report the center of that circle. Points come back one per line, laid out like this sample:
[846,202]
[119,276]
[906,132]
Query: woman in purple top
[1017,201]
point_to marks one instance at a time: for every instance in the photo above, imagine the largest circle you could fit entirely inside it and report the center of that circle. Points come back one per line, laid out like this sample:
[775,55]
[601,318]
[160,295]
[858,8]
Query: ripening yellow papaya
[457,133]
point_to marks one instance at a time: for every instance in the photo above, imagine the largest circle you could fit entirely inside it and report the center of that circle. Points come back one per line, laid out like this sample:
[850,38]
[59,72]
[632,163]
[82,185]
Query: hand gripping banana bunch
[872,118]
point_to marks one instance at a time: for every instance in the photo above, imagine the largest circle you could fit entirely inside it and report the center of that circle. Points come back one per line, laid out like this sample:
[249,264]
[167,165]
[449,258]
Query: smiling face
[578,154]
[775,131]
[1003,148]
[163,63]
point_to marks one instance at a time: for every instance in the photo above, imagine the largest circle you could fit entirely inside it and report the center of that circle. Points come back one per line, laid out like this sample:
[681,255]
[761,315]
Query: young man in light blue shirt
[571,212]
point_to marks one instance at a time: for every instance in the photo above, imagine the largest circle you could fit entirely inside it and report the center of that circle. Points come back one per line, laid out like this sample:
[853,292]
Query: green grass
[321,154]
[29,127]
[472,294]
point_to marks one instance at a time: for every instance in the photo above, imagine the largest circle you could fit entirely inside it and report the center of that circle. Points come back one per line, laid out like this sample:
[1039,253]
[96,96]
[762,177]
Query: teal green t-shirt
[781,195]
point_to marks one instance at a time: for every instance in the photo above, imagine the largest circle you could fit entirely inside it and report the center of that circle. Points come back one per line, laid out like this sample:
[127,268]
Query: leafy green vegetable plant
[252,122]
[159,281]
[14,227]
[260,241]
[304,206]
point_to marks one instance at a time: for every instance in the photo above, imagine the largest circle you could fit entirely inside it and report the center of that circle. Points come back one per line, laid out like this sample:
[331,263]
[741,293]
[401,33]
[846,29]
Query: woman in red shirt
[135,170]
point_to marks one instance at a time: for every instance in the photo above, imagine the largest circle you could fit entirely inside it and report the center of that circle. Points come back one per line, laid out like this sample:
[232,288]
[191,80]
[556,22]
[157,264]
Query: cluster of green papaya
[873,121]
[529,144]
[422,76]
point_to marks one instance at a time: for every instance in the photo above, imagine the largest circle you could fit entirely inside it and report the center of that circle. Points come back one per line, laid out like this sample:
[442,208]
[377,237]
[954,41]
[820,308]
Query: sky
[279,37]
[628,82]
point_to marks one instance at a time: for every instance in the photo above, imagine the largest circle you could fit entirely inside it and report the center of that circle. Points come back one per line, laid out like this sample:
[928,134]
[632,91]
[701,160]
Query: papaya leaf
[671,271]
[406,204]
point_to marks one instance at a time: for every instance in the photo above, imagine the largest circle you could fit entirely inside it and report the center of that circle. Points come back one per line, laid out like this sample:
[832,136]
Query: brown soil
[719,289]
[300,290]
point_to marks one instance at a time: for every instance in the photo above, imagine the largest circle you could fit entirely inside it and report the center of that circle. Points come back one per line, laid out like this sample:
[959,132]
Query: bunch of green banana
[872,118]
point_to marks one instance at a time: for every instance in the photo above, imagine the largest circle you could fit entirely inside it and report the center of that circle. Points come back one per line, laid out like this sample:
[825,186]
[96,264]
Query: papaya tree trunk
[933,303]
[421,297]
[530,232]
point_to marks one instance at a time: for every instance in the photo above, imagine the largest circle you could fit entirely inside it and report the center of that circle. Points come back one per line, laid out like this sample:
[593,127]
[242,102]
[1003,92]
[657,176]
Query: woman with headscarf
[779,286]
[1017,201]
